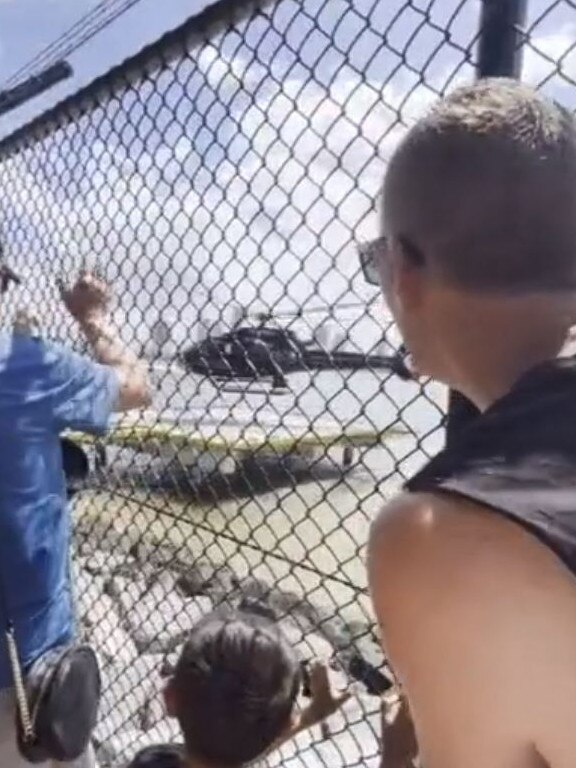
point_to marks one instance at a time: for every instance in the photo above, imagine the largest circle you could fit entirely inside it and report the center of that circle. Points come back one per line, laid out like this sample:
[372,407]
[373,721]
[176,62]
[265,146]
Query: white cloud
[186,229]
[257,200]
[550,62]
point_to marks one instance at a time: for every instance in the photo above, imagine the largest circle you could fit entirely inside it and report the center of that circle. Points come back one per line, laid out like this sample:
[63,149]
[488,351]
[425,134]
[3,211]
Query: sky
[243,173]
[21,40]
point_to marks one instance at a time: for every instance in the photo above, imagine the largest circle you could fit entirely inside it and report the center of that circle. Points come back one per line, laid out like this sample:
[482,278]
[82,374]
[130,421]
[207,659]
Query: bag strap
[16,668]
[73,452]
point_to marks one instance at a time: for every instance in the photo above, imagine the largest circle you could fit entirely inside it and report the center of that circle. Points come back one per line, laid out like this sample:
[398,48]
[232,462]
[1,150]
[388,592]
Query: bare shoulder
[427,544]
[479,622]
[430,526]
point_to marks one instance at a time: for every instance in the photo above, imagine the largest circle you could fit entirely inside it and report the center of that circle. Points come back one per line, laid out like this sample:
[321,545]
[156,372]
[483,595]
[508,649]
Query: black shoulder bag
[57,702]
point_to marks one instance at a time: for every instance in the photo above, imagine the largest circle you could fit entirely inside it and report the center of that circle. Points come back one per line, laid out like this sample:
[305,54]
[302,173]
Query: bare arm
[109,350]
[399,747]
[87,301]
[479,621]
[325,702]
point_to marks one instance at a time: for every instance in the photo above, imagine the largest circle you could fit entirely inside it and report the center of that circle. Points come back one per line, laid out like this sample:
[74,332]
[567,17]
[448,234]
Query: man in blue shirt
[45,389]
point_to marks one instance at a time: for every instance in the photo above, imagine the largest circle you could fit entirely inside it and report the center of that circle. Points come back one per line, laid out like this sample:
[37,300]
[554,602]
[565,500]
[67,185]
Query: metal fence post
[500,48]
[500,45]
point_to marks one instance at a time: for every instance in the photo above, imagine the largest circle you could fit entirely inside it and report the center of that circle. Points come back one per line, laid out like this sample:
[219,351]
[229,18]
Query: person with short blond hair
[472,567]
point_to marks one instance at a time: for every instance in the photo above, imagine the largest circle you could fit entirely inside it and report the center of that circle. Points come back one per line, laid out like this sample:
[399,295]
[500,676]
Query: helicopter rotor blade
[329,309]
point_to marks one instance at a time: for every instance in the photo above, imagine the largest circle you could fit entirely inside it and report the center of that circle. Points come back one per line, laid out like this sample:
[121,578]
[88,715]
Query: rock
[112,645]
[336,631]
[152,554]
[159,622]
[99,620]
[103,563]
[127,592]
[165,580]
[128,605]
[102,610]
[370,652]
[119,748]
[126,688]
[309,645]
[85,541]
[315,646]
[310,612]
[285,603]
[131,588]
[257,606]
[169,661]
[87,590]
[257,589]
[129,567]
[115,586]
[109,726]
[277,603]
[165,732]
[153,712]
[360,630]
[202,578]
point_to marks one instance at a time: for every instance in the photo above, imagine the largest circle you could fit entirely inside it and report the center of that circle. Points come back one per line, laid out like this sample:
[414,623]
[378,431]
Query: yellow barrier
[236,440]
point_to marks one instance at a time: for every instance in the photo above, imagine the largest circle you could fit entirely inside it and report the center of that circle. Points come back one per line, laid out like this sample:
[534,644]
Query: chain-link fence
[222,180]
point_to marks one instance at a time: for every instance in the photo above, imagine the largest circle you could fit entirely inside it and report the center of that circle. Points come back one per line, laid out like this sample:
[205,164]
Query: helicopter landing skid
[250,386]
[251,391]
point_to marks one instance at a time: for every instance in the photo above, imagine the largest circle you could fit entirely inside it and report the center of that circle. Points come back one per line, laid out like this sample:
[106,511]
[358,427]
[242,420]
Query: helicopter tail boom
[320,360]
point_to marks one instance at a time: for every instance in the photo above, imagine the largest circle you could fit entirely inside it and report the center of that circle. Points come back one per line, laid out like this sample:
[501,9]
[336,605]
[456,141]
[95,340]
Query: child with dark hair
[234,692]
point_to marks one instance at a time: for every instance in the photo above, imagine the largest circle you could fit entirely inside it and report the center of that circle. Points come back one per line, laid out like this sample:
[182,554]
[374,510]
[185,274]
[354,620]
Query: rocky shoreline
[136,604]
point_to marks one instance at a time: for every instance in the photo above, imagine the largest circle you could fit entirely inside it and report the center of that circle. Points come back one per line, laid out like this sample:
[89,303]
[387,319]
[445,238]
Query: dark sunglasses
[370,253]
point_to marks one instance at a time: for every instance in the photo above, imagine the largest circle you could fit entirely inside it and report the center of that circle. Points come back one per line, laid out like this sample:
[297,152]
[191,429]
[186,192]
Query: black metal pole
[34,86]
[500,45]
[500,49]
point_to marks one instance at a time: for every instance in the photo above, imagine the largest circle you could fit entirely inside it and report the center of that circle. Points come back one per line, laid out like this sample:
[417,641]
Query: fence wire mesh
[221,180]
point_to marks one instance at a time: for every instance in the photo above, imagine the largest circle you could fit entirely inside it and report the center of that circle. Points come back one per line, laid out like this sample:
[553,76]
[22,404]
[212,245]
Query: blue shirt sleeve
[82,394]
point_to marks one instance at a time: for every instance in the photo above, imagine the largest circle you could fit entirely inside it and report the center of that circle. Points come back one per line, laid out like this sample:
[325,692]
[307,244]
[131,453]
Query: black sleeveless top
[519,458]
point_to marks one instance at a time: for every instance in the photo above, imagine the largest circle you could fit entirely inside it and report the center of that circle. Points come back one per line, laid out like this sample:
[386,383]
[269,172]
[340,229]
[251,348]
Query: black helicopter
[265,351]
